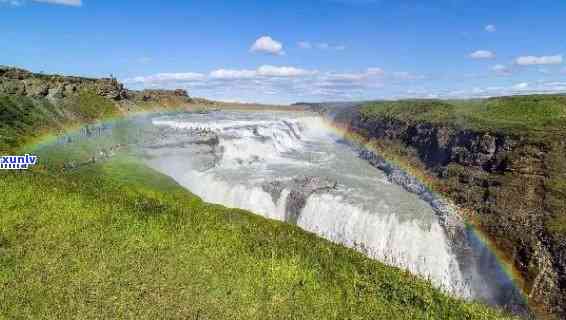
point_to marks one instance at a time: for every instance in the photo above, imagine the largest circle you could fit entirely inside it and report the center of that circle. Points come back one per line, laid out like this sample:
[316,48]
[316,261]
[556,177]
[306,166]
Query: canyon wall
[514,184]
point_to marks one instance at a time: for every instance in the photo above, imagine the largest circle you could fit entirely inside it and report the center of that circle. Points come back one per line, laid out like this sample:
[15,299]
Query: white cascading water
[364,211]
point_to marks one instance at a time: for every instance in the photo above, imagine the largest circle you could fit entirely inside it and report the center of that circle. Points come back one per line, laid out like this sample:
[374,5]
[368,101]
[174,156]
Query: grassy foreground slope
[118,240]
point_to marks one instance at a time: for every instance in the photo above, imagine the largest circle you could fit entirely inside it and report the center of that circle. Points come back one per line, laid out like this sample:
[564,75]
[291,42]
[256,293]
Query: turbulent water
[291,167]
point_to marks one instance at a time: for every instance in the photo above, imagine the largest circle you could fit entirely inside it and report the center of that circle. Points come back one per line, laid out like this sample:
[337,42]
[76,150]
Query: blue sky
[288,51]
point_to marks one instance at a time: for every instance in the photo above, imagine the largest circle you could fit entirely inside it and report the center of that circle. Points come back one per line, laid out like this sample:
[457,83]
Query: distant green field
[517,114]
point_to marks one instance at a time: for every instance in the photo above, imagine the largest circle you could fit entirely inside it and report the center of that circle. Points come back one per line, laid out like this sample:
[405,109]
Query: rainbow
[50,137]
[504,261]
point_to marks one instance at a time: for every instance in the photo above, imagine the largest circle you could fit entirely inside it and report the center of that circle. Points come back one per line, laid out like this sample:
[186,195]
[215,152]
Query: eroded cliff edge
[504,159]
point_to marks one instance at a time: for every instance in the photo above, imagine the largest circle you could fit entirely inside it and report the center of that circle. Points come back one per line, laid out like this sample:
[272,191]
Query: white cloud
[166,77]
[521,86]
[227,74]
[270,83]
[375,71]
[72,3]
[406,76]
[320,46]
[266,44]
[272,71]
[367,76]
[347,77]
[555,86]
[542,60]
[490,28]
[482,54]
[263,71]
[14,3]
[326,46]
[502,70]
[289,84]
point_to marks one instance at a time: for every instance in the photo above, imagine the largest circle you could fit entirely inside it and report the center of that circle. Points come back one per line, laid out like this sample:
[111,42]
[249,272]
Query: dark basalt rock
[274,188]
[452,223]
[300,189]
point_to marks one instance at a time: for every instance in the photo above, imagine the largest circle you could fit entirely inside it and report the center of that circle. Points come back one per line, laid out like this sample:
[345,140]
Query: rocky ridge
[20,82]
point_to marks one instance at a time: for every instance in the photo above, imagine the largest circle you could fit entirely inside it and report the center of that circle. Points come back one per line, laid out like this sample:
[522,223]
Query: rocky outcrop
[15,81]
[156,95]
[506,179]
[110,88]
[300,189]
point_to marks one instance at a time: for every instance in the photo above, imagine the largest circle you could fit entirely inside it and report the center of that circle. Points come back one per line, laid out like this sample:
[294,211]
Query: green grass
[533,114]
[557,225]
[118,240]
[88,106]
[555,185]
[23,119]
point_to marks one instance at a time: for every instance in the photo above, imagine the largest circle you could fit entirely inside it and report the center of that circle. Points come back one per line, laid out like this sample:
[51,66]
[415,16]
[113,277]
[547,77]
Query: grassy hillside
[23,118]
[536,114]
[117,240]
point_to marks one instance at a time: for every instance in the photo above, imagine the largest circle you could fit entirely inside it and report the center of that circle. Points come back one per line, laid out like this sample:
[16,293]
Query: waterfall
[275,164]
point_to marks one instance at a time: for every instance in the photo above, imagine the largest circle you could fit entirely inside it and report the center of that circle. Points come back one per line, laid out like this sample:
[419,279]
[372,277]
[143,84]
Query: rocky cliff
[513,182]
[20,82]
[14,81]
